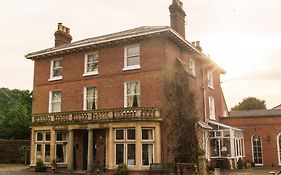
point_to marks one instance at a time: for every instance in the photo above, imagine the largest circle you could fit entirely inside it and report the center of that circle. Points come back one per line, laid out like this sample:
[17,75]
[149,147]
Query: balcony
[100,115]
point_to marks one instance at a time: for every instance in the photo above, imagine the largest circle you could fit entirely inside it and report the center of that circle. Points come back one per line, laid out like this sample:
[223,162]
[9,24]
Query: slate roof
[256,113]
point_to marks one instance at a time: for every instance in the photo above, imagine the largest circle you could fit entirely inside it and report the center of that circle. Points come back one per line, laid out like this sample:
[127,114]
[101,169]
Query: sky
[242,36]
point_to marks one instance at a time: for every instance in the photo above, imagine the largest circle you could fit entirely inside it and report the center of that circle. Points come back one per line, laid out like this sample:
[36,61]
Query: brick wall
[268,128]
[10,150]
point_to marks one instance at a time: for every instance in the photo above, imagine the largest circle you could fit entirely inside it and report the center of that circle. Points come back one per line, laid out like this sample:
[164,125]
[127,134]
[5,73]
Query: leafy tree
[182,117]
[15,113]
[249,103]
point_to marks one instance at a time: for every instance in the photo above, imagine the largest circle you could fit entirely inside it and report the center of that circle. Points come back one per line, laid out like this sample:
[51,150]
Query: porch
[84,140]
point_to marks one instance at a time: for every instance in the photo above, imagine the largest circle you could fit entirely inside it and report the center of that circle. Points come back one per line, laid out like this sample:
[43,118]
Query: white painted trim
[84,97]
[278,148]
[134,67]
[125,91]
[95,72]
[211,85]
[253,150]
[52,78]
[212,105]
[126,67]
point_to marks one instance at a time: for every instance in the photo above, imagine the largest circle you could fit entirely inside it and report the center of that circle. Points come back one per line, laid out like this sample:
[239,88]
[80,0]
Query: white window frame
[125,143]
[85,97]
[52,77]
[95,71]
[253,158]
[212,108]
[210,78]
[125,92]
[62,142]
[132,67]
[150,142]
[192,67]
[51,98]
[278,148]
[43,144]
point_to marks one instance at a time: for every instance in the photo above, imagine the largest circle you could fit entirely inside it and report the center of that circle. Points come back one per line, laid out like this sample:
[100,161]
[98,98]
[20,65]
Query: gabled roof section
[119,37]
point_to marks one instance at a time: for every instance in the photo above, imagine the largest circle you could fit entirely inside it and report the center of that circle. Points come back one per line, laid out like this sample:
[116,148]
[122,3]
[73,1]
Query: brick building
[99,101]
[262,134]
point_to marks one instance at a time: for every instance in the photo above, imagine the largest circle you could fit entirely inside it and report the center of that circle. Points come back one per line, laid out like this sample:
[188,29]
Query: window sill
[131,67]
[211,87]
[90,73]
[55,78]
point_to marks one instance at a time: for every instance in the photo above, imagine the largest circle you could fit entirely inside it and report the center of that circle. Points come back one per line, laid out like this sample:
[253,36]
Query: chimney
[177,16]
[62,35]
[197,45]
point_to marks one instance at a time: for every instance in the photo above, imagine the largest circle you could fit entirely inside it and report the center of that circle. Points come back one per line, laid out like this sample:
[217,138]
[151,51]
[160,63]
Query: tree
[249,103]
[181,116]
[15,113]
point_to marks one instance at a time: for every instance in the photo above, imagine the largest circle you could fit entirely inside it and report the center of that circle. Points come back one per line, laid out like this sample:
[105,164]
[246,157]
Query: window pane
[133,61]
[133,50]
[147,154]
[119,135]
[147,134]
[47,153]
[57,63]
[56,96]
[91,98]
[48,136]
[131,154]
[39,136]
[39,152]
[56,107]
[119,154]
[131,134]
[61,136]
[60,152]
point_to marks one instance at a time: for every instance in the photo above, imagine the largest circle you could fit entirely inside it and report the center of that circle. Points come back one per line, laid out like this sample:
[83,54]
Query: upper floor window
[55,101]
[56,69]
[90,98]
[132,94]
[210,80]
[192,67]
[91,64]
[212,112]
[132,57]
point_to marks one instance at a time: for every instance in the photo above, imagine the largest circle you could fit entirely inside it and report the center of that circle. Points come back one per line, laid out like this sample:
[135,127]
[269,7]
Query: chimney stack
[62,35]
[177,16]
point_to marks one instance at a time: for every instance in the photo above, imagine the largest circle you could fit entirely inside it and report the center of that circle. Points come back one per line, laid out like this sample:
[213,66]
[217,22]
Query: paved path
[251,171]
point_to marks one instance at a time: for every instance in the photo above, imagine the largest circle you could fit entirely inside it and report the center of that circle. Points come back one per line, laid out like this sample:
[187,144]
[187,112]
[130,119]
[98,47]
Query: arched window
[257,150]
[279,147]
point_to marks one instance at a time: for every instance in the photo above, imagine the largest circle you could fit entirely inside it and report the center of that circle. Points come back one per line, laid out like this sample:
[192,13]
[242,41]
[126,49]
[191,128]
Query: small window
[39,136]
[61,136]
[56,69]
[132,57]
[91,64]
[90,98]
[119,134]
[210,80]
[192,67]
[130,134]
[147,134]
[55,101]
[132,94]
[212,112]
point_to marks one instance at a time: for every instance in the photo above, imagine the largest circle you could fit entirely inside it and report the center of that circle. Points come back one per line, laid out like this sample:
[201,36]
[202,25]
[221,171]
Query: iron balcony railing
[117,114]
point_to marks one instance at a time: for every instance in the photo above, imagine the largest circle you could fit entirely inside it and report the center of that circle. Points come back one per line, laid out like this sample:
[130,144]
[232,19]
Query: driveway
[251,171]
[19,169]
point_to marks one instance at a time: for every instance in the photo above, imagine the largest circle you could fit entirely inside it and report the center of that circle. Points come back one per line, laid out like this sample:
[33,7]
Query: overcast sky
[242,36]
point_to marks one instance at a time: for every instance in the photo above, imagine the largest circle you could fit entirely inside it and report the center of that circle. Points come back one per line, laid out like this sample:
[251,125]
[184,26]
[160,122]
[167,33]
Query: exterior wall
[267,128]
[109,81]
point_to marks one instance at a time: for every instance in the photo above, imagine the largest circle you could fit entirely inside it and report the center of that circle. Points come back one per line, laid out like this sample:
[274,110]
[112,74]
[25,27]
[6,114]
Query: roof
[223,125]
[204,125]
[277,107]
[255,113]
[119,37]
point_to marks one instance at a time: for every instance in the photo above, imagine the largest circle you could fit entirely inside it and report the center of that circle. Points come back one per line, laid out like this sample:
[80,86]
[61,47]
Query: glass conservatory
[225,142]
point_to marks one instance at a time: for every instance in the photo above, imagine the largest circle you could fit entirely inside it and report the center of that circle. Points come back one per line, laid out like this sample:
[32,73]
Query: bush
[240,163]
[122,169]
[40,167]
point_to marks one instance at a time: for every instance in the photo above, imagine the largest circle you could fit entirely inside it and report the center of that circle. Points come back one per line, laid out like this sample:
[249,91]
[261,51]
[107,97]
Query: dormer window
[210,80]
[192,67]
[56,70]
[91,64]
[132,57]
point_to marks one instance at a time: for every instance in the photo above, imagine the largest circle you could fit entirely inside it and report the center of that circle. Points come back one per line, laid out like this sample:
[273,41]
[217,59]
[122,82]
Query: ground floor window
[61,146]
[42,146]
[147,139]
[125,146]
[257,150]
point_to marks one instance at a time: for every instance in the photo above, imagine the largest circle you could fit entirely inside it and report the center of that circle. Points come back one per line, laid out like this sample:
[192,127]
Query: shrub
[40,167]
[122,169]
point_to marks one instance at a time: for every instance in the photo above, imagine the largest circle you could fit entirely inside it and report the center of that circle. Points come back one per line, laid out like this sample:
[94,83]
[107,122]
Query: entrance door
[80,150]
[99,148]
